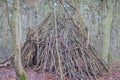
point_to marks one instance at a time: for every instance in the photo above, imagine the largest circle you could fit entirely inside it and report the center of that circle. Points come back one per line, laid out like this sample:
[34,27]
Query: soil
[8,73]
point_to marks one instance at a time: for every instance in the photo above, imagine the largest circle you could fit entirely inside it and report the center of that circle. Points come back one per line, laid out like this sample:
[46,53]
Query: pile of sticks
[61,46]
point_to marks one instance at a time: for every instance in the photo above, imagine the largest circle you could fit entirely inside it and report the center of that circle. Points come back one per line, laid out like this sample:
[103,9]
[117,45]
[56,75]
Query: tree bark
[16,37]
[108,10]
[4,28]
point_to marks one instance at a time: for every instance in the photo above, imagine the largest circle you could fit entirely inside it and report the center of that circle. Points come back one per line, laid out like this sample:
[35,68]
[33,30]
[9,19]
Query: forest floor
[8,73]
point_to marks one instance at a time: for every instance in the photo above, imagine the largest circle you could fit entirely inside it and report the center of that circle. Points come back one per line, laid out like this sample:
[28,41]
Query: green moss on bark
[23,76]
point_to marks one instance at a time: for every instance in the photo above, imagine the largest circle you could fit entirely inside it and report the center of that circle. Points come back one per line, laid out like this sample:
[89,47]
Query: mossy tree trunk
[107,21]
[21,75]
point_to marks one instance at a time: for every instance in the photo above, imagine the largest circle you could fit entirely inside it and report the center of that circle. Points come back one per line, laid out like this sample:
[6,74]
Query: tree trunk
[4,28]
[16,37]
[108,10]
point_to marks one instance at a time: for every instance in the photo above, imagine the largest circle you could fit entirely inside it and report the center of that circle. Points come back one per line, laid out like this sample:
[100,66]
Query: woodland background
[96,14]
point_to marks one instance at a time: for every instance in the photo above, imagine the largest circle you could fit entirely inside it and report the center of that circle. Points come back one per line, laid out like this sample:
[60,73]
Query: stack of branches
[61,46]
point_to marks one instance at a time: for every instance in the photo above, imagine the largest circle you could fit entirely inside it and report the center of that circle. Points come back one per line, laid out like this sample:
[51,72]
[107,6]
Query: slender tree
[108,14]
[16,37]
[4,28]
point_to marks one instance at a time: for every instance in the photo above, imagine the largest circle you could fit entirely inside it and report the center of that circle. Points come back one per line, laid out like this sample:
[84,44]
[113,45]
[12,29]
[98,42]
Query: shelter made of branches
[60,45]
